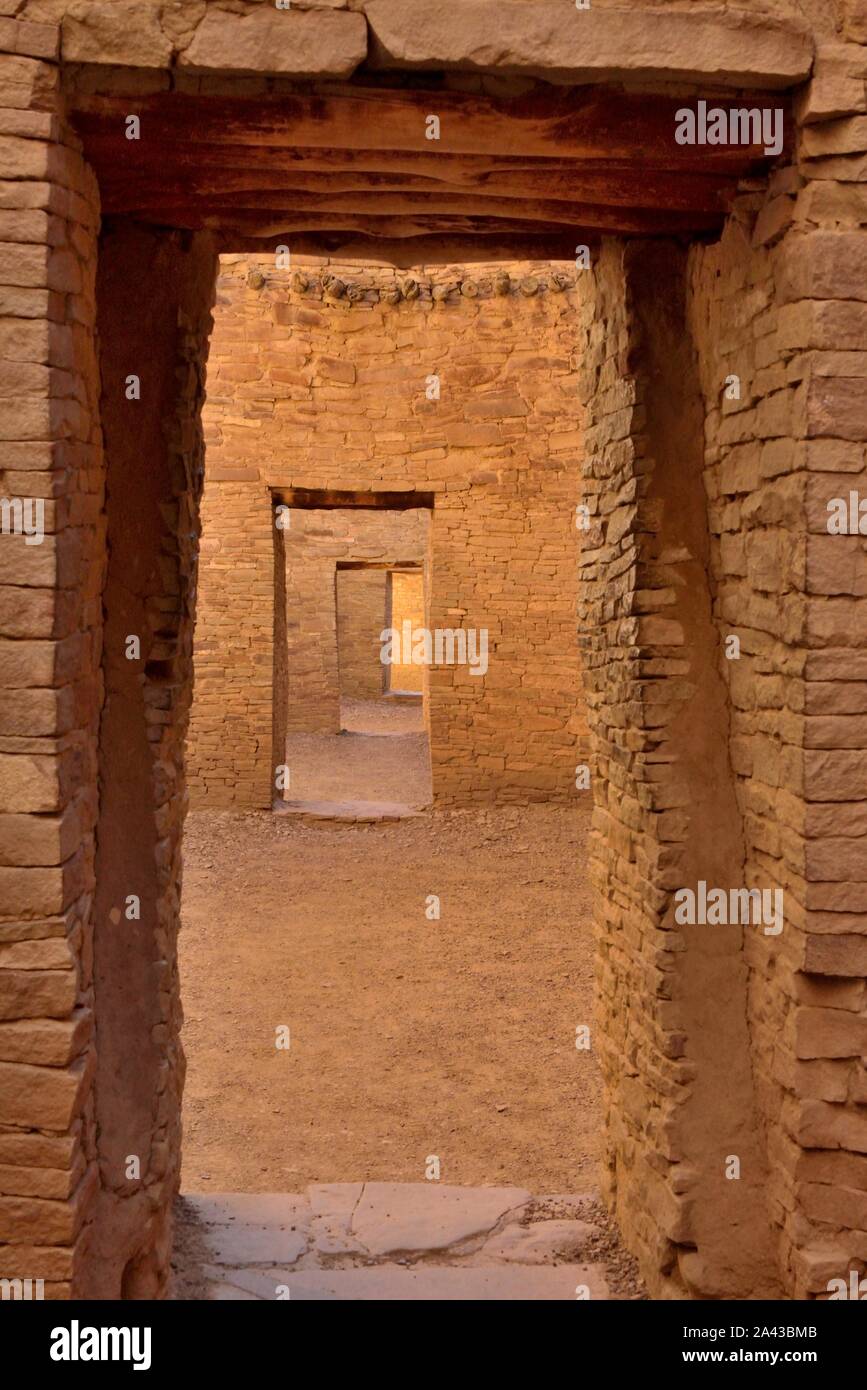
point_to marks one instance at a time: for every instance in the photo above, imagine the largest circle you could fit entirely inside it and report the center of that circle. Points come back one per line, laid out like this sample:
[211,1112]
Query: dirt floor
[410,1037]
[393,715]
[381,755]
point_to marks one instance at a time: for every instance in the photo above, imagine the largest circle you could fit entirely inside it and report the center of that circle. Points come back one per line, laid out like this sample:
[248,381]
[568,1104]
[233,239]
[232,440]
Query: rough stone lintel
[290,42]
[732,49]
[548,39]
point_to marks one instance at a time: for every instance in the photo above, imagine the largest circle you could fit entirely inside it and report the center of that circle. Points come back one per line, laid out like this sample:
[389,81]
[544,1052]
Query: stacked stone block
[50,632]
[154,296]
[774,310]
[665,812]
[781,301]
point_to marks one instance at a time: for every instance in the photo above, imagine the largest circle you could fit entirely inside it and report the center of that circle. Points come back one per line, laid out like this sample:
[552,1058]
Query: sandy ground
[409,1037]
[382,755]
[390,715]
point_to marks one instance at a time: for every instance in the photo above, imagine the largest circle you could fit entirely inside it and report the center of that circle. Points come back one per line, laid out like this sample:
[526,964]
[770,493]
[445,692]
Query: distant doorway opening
[404,613]
[350,721]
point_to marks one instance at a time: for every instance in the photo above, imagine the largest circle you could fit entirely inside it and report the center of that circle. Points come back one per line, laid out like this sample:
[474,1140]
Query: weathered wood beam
[282,226]
[382,212]
[582,123]
[124,189]
[473,170]
[413,252]
[591,158]
[330,499]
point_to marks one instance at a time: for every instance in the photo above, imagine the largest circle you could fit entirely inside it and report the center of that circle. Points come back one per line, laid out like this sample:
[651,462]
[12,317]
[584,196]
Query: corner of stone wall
[154,290]
[73,965]
[780,304]
[50,633]
[777,309]
[678,1080]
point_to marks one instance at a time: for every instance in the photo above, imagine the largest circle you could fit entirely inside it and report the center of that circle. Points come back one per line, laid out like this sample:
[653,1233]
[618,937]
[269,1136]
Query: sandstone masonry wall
[74,708]
[50,687]
[781,302]
[312,387]
[154,294]
[775,310]
[665,813]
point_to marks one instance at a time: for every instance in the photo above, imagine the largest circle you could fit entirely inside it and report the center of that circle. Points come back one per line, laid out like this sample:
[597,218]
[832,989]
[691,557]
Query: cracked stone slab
[219,1292]
[394,1283]
[394,1216]
[252,1208]
[542,1242]
[246,1282]
[331,1207]
[239,1228]
[351,812]
[255,1245]
[448,1243]
[295,42]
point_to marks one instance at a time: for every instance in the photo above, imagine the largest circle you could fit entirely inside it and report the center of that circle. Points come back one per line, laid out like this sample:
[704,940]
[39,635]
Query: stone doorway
[345,745]
[742,264]
[402,927]
[405,603]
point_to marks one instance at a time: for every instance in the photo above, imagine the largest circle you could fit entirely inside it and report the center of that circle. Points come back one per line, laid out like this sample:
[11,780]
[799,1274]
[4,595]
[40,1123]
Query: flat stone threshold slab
[434,1283]
[380,733]
[348,812]
[390,1241]
[392,1217]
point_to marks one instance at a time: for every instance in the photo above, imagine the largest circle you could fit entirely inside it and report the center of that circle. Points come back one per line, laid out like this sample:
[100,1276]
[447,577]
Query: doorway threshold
[349,812]
[395,1241]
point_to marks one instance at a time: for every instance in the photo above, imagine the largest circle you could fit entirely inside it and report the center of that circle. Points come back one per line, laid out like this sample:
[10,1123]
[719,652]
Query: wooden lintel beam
[585,122]
[201,155]
[411,253]
[331,499]
[282,229]
[408,216]
[236,188]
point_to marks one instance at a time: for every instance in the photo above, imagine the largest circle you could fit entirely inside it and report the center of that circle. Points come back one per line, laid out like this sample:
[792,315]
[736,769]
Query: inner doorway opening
[428,956]
[349,742]
[404,603]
